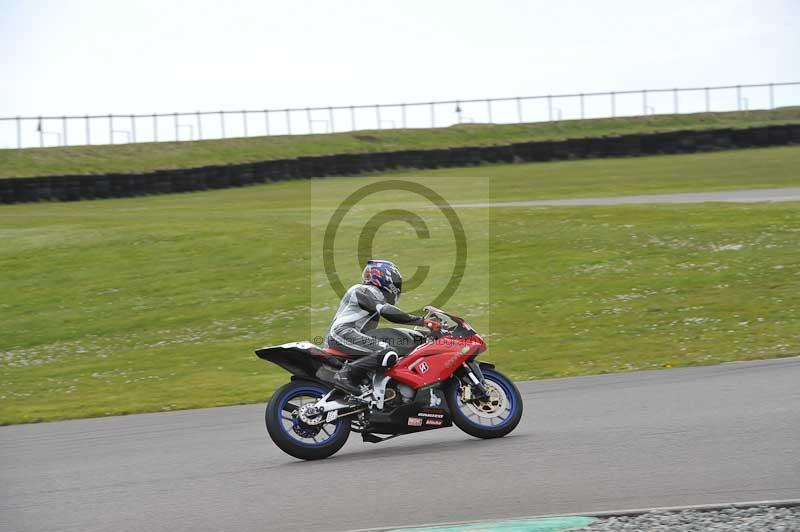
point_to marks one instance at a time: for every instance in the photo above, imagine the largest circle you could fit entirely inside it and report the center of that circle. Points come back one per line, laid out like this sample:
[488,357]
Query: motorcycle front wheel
[493,417]
[291,434]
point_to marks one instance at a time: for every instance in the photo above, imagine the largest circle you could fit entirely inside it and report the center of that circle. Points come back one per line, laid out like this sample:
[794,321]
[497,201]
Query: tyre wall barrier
[120,185]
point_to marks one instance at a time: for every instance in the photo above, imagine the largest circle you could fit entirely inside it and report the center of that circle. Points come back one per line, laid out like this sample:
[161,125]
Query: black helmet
[385,275]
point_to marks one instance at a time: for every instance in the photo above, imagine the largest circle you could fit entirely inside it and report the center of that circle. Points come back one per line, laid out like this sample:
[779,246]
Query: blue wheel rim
[322,438]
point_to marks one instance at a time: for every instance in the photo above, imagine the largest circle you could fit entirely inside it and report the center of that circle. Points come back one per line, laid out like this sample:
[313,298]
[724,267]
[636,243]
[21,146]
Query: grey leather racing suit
[359,312]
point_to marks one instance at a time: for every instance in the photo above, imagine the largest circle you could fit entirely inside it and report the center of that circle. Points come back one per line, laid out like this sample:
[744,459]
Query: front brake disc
[492,406]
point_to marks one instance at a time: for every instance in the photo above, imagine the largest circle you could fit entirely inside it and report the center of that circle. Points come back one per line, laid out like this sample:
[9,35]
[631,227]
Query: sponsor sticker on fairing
[437,422]
[423,367]
[435,399]
[426,414]
[415,421]
[452,360]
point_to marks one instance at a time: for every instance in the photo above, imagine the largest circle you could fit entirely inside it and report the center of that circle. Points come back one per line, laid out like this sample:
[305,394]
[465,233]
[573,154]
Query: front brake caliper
[479,393]
[466,393]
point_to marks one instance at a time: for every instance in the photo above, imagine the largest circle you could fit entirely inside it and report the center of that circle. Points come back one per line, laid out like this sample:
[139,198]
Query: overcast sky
[121,56]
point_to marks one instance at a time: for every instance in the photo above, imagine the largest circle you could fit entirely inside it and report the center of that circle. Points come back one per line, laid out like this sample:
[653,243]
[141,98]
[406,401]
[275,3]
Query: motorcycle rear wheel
[493,418]
[293,436]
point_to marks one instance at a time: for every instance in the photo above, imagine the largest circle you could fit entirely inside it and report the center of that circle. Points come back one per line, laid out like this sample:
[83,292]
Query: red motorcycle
[436,382]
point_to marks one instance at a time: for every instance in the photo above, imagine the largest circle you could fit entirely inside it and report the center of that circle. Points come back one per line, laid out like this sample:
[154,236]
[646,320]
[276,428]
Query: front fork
[470,375]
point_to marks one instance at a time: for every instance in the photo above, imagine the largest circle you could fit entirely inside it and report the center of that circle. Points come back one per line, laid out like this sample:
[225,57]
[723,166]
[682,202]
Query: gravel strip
[754,519]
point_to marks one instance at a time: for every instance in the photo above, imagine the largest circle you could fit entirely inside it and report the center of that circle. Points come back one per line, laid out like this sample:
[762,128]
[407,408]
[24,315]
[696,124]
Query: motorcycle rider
[359,312]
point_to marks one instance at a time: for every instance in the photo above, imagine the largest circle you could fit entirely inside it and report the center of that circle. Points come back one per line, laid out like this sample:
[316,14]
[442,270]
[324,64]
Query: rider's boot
[348,378]
[352,373]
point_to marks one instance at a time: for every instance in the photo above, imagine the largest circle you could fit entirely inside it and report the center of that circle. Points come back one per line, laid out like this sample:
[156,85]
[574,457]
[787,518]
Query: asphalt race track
[726,196]
[663,438]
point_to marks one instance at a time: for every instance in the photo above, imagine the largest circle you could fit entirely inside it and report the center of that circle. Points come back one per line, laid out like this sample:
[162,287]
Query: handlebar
[450,323]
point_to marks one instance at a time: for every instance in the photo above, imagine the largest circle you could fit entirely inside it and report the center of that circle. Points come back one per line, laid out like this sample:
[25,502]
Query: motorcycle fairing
[302,359]
[435,361]
[429,406]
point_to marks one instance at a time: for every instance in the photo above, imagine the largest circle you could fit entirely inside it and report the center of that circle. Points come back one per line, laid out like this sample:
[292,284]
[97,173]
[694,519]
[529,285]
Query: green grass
[741,169]
[640,287]
[157,303]
[152,156]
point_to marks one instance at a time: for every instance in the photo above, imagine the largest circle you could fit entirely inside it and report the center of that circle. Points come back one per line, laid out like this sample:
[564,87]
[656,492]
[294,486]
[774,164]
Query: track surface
[663,438]
[728,196]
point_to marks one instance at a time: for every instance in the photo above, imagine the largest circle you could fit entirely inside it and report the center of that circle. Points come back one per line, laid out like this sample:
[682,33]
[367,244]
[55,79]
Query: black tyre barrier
[119,185]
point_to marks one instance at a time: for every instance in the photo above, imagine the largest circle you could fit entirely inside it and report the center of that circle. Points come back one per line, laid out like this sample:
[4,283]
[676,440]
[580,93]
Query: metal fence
[46,131]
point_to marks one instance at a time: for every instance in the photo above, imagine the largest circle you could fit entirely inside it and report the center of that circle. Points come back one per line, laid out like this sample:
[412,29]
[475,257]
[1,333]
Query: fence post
[742,104]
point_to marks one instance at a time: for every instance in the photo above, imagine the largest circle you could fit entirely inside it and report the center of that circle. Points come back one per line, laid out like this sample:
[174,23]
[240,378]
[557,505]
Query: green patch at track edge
[545,524]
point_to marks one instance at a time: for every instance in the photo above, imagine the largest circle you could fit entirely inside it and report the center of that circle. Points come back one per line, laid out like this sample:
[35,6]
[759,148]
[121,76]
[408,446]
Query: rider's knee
[389,358]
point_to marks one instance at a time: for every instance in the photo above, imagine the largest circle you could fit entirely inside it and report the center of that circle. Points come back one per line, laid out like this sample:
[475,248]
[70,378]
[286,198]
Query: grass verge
[156,303]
